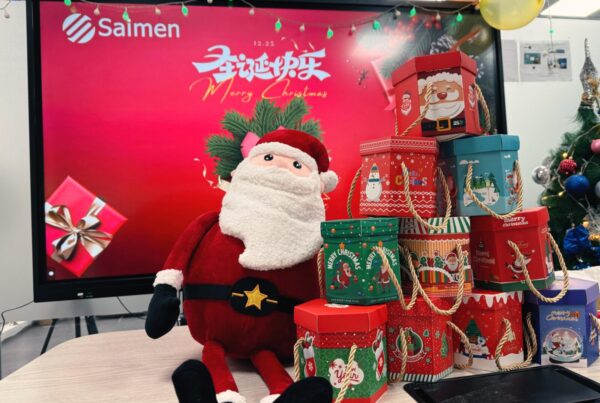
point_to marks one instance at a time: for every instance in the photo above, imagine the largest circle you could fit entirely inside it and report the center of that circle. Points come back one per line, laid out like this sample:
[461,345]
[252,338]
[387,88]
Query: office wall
[538,112]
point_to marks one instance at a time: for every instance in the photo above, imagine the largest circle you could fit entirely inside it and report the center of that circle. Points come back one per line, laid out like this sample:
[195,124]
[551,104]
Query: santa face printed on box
[406,105]
[447,99]
[374,188]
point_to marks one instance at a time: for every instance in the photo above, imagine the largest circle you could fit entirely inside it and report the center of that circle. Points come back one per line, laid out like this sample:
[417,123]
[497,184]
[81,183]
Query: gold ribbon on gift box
[85,232]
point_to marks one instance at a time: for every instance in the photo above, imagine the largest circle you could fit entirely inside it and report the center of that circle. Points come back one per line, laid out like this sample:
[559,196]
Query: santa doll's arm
[163,310]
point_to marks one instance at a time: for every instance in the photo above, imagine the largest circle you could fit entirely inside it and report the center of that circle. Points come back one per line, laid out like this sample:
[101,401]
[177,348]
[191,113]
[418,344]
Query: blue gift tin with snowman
[494,180]
[565,330]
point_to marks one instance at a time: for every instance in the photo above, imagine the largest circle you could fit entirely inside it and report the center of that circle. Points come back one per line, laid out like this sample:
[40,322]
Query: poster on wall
[545,61]
[128,107]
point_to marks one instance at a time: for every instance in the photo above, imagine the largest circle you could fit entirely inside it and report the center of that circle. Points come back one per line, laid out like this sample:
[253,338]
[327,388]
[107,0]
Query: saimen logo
[80,29]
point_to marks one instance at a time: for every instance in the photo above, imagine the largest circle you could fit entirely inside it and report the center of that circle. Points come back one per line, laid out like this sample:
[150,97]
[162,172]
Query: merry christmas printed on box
[329,331]
[79,226]
[566,333]
[354,272]
[494,181]
[453,110]
[434,254]
[428,341]
[495,264]
[481,316]
[382,181]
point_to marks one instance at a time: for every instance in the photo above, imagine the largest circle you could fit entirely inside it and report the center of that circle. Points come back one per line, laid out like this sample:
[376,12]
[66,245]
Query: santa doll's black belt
[249,296]
[443,124]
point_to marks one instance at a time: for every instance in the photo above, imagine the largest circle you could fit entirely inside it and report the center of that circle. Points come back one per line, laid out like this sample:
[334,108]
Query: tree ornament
[588,72]
[251,11]
[595,146]
[567,166]
[97,11]
[541,175]
[597,190]
[577,185]
[510,14]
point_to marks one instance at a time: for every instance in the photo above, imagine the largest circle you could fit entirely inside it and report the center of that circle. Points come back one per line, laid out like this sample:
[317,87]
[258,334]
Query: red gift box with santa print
[453,110]
[382,191]
[481,317]
[428,340]
[495,264]
[328,332]
[79,226]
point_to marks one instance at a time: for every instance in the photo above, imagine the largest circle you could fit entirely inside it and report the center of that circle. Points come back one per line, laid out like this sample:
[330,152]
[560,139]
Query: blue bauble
[577,185]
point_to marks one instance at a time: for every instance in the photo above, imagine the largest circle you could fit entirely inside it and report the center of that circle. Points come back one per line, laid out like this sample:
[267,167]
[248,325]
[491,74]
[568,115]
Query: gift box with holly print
[453,109]
[354,272]
[495,264]
[382,191]
[481,316]
[494,173]
[329,331]
[79,226]
[566,330]
[434,254]
[428,338]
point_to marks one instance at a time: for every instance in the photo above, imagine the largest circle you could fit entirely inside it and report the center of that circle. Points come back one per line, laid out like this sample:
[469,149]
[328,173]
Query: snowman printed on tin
[374,187]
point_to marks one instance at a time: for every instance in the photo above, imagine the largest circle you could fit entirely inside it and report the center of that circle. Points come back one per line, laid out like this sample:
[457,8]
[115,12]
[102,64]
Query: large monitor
[123,99]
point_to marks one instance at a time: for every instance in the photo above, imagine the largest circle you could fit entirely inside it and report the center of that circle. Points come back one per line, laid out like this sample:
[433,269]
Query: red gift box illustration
[79,226]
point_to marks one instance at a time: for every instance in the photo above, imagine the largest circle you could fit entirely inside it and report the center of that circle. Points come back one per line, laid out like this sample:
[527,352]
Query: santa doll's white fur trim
[230,396]
[330,180]
[275,147]
[172,277]
[270,398]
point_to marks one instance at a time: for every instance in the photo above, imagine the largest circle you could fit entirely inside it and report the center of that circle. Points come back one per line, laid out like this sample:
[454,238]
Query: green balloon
[474,38]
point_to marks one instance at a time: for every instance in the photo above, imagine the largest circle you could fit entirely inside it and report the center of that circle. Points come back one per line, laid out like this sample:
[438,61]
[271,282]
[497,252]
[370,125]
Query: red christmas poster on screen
[128,106]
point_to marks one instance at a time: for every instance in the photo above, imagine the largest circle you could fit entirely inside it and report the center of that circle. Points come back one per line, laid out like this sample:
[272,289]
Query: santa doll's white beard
[275,213]
[444,110]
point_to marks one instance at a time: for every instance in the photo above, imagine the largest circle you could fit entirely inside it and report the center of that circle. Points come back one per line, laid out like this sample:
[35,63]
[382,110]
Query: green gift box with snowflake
[335,339]
[354,271]
[495,173]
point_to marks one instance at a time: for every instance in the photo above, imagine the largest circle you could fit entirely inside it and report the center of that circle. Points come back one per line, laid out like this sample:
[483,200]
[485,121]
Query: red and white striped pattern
[78,28]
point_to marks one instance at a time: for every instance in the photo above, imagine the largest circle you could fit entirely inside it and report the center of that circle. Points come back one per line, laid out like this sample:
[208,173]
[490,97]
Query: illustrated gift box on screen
[79,226]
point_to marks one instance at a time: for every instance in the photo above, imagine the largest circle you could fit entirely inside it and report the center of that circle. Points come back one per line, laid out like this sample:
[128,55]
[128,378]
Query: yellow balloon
[510,14]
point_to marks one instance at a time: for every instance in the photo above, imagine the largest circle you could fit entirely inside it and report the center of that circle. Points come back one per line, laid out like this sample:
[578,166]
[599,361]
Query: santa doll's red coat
[205,255]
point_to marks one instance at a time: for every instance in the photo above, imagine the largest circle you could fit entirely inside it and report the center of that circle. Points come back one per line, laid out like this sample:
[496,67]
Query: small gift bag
[567,330]
[434,254]
[419,341]
[354,273]
[483,175]
[494,327]
[436,96]
[79,226]
[513,253]
[337,340]
[383,187]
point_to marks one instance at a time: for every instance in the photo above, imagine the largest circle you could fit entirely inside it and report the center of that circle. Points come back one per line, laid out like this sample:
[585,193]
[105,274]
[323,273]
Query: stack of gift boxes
[439,139]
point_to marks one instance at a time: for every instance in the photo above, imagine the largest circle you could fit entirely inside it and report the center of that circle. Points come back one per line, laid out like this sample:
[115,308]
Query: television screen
[125,98]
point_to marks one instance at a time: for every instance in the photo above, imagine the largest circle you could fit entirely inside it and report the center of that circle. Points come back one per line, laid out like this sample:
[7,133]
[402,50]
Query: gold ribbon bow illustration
[85,231]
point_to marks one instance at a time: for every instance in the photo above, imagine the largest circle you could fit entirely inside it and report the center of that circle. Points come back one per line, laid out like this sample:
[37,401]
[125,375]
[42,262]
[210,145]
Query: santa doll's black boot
[308,390]
[193,383]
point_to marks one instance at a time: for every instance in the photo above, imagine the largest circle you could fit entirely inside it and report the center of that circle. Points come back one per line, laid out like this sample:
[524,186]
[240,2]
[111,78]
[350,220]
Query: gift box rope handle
[595,328]
[403,358]
[428,94]
[530,344]
[486,110]
[466,343]
[411,207]
[297,346]
[351,192]
[479,203]
[321,272]
[386,265]
[418,288]
[530,285]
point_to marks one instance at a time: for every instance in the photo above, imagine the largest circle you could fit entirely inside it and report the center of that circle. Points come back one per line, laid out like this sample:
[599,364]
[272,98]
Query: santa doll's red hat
[302,146]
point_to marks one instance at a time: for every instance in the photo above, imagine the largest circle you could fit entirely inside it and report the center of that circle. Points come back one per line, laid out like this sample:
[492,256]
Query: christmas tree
[473,331]
[444,348]
[226,150]
[571,176]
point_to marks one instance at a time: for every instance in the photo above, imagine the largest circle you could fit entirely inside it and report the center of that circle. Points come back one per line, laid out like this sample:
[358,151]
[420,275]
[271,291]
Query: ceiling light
[572,8]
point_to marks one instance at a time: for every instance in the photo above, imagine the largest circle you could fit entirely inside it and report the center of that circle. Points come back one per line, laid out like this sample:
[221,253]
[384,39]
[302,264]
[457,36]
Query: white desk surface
[130,367]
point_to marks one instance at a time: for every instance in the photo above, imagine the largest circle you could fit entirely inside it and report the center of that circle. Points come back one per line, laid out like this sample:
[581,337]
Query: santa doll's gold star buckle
[254,296]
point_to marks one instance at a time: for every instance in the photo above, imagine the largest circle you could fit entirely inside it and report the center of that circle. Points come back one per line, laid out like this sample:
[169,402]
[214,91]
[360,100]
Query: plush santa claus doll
[244,269]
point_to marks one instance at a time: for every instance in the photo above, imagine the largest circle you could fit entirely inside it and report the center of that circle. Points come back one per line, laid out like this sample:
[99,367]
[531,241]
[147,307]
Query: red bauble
[567,167]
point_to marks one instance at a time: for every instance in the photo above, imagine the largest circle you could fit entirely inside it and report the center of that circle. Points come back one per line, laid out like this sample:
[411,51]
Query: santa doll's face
[274,206]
